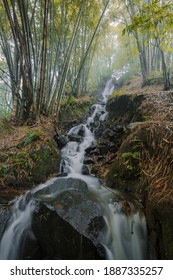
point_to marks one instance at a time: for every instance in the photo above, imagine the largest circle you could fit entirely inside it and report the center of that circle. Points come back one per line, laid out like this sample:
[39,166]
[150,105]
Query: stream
[98,214]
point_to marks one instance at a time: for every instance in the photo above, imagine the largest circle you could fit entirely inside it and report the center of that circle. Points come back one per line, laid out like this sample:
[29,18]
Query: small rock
[85,170]
[111,146]
[61,141]
[88,160]
[81,131]
[90,148]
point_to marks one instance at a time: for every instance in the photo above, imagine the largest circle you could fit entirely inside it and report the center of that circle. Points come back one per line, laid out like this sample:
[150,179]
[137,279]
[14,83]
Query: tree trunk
[166,79]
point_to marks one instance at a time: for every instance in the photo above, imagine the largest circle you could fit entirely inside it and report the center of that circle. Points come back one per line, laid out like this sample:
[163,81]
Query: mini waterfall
[126,234]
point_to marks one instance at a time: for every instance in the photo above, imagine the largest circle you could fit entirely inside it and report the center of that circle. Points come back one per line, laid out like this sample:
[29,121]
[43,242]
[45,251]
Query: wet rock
[90,148]
[88,160]
[94,227]
[30,248]
[83,213]
[4,217]
[62,174]
[81,131]
[120,105]
[103,150]
[111,146]
[118,128]
[76,205]
[111,135]
[91,110]
[125,106]
[76,138]
[102,112]
[94,152]
[77,133]
[96,124]
[100,158]
[58,185]
[97,117]
[85,170]
[97,132]
[58,239]
[94,170]
[61,140]
[25,200]
[106,132]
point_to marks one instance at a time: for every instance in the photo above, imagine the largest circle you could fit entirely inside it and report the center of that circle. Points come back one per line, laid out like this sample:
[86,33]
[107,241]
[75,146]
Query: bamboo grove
[55,49]
[48,47]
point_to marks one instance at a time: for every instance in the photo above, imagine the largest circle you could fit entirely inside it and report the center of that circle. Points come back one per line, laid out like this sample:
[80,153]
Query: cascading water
[126,234]
[19,222]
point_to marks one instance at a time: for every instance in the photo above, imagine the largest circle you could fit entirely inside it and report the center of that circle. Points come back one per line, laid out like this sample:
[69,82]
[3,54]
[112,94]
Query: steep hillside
[135,147]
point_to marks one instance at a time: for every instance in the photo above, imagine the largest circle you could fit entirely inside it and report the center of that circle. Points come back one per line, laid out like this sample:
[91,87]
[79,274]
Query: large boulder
[58,239]
[54,187]
[125,107]
[76,205]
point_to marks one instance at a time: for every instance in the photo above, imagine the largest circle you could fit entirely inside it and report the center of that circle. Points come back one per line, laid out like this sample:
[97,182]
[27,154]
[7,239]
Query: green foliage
[20,160]
[146,117]
[130,162]
[129,155]
[31,137]
[117,93]
[155,19]
[3,170]
[65,100]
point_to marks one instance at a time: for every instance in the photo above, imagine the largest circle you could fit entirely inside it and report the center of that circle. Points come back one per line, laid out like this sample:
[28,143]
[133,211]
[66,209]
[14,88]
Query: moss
[4,169]
[117,93]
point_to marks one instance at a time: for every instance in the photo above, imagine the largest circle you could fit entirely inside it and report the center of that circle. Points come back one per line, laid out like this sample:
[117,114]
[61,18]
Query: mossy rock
[125,107]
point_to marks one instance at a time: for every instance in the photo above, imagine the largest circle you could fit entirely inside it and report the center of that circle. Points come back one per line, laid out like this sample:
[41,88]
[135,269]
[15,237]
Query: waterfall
[126,233]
